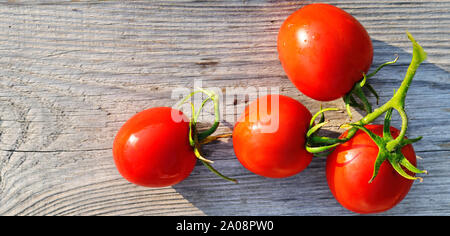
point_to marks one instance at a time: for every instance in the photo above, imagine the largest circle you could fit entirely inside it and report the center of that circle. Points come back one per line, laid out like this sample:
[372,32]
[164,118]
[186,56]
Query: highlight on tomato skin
[273,153]
[324,51]
[350,167]
[152,148]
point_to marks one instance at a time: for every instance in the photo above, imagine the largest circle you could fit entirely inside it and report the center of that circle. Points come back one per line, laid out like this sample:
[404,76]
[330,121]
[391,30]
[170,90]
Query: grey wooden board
[73,72]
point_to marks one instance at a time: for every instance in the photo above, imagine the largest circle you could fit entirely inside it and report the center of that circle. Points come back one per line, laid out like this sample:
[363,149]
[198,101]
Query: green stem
[324,140]
[195,138]
[391,145]
[196,115]
[214,127]
[380,67]
[320,149]
[218,173]
[321,111]
[316,144]
[397,101]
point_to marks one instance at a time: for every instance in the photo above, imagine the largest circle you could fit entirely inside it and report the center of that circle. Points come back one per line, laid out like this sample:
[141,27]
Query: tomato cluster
[326,53]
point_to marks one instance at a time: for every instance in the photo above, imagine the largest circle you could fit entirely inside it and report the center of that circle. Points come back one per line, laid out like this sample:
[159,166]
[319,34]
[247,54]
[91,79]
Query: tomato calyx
[357,90]
[395,157]
[196,138]
[316,144]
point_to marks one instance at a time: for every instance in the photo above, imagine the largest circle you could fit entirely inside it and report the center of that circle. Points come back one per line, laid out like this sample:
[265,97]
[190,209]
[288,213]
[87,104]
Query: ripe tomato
[271,143]
[350,167]
[324,51]
[152,148]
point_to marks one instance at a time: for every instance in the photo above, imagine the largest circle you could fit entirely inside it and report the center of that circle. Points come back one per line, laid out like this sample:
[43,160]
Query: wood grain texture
[73,72]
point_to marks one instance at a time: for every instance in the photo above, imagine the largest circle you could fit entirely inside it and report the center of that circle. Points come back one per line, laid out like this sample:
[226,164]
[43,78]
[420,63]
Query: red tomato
[152,148]
[324,51]
[272,143]
[350,167]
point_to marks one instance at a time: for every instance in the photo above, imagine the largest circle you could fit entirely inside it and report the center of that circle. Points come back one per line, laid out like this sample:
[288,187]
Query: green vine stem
[397,102]
[389,147]
[197,139]
[317,144]
[215,99]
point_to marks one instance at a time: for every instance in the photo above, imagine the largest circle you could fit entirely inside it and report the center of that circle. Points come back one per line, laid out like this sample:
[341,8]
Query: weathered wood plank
[73,72]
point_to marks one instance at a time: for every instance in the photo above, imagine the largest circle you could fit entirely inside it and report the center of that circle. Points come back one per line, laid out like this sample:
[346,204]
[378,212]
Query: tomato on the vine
[324,51]
[269,137]
[350,167]
[152,148]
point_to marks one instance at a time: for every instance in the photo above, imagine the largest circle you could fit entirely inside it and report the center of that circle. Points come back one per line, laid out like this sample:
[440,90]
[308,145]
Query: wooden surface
[71,73]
